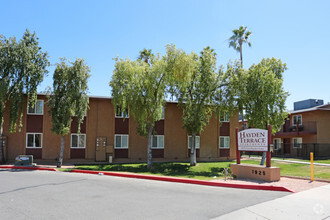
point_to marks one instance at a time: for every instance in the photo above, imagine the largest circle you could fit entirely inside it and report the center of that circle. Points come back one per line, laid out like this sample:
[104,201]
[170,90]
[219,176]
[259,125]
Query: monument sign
[254,139]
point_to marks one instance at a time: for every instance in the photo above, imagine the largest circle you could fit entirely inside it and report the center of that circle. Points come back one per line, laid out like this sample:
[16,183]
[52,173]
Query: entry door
[286,143]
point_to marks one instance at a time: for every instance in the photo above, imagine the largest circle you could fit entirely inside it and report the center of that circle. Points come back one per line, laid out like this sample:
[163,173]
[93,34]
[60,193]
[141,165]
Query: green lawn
[299,170]
[315,161]
[295,159]
[203,171]
[207,170]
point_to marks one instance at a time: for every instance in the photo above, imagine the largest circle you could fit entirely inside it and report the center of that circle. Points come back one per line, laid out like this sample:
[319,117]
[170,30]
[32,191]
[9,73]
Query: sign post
[238,154]
[268,155]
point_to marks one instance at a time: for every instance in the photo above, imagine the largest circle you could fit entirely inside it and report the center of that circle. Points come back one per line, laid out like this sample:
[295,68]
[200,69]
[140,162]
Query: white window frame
[35,108]
[224,137]
[279,142]
[122,114]
[76,134]
[225,118]
[197,136]
[293,124]
[121,141]
[299,142]
[26,144]
[159,137]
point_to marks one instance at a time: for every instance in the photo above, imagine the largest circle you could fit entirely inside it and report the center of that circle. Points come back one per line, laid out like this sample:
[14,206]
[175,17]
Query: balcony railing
[308,127]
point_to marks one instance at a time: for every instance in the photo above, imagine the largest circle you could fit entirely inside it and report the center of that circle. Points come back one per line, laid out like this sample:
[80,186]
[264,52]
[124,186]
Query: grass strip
[206,170]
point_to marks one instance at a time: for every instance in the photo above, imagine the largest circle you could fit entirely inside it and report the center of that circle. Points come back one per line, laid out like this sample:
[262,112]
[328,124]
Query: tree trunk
[149,160]
[193,161]
[263,158]
[60,158]
[2,159]
[241,54]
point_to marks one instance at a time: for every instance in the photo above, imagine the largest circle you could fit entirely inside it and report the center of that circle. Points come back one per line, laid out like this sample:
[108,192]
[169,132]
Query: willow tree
[195,80]
[22,68]
[265,97]
[68,98]
[140,86]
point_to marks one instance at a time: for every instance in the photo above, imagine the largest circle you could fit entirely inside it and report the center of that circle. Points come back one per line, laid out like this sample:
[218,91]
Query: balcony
[306,128]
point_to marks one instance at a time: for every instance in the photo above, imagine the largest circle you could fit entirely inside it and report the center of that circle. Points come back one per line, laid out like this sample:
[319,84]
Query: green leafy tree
[195,80]
[240,37]
[265,97]
[140,86]
[22,68]
[68,98]
[231,97]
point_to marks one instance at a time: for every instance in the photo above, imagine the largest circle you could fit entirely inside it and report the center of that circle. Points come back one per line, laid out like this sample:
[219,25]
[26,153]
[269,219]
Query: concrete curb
[27,168]
[185,180]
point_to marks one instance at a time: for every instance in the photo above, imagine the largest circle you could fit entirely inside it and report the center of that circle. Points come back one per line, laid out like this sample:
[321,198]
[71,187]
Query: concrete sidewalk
[292,161]
[310,204]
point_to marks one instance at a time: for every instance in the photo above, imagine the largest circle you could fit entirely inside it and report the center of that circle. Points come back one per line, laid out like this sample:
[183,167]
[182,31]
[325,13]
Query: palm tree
[145,55]
[241,36]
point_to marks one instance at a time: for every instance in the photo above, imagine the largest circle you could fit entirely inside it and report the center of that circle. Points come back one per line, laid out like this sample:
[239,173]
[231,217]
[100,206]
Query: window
[297,119]
[162,117]
[224,142]
[37,109]
[224,118]
[297,142]
[197,142]
[277,143]
[33,140]
[121,141]
[120,113]
[78,140]
[157,141]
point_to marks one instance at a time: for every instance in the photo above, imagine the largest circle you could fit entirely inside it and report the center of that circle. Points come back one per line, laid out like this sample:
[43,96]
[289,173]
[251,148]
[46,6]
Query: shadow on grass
[166,169]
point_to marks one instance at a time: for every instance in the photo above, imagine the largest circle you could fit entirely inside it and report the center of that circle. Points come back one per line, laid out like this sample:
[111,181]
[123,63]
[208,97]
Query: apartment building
[106,135]
[307,129]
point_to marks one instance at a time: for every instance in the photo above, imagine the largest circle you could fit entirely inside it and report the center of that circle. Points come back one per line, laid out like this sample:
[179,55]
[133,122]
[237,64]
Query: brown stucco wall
[233,126]
[323,130]
[209,140]
[137,145]
[100,123]
[175,138]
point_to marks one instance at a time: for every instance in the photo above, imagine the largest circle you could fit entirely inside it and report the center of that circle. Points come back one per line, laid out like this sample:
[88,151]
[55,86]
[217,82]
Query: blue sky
[297,32]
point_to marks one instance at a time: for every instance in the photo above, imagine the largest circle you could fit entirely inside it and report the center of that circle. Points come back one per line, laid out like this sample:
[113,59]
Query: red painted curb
[183,180]
[27,168]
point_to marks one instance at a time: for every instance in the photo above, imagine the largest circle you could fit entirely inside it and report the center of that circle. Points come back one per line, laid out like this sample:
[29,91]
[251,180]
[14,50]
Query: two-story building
[106,135]
[307,129]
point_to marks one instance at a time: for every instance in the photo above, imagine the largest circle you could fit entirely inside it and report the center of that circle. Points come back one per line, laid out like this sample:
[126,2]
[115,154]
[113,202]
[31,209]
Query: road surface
[58,195]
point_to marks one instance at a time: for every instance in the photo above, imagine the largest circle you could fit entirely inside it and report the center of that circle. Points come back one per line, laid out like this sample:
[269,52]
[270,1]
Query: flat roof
[325,107]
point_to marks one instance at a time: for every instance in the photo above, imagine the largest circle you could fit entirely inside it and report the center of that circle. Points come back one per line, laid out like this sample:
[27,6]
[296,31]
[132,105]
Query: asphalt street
[59,195]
